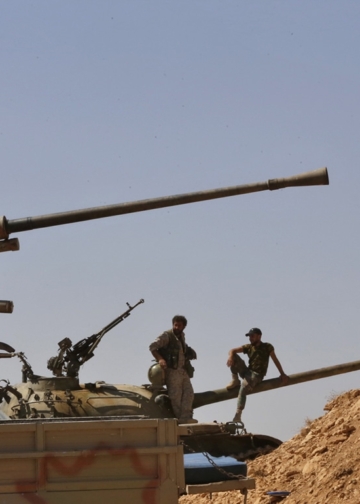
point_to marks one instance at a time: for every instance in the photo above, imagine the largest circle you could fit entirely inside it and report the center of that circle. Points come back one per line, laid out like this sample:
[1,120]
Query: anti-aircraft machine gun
[71,357]
[64,396]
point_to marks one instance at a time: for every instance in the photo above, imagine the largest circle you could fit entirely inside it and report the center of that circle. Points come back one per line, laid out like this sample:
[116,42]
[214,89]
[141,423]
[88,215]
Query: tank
[62,395]
[65,397]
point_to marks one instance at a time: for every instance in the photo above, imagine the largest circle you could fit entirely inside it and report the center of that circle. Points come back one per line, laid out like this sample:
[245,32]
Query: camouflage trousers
[181,392]
[249,380]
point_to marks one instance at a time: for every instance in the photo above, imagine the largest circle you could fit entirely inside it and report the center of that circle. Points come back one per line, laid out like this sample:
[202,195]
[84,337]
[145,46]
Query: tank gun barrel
[315,177]
[214,396]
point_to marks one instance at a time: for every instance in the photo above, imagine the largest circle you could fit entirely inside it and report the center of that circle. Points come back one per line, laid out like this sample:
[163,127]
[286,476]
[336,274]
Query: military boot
[235,382]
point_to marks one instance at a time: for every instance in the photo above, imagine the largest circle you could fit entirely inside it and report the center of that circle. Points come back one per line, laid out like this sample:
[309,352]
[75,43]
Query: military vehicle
[62,395]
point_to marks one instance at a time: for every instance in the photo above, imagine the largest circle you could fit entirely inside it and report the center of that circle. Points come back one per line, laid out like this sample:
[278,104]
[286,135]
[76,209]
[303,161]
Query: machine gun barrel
[119,319]
[70,357]
[315,177]
[214,396]
[84,349]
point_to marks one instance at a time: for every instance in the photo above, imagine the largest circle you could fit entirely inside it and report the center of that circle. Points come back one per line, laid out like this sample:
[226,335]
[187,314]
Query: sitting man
[258,353]
[174,355]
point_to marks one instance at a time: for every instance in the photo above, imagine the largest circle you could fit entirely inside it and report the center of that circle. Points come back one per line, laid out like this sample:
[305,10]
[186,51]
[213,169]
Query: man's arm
[160,359]
[232,353]
[283,376]
[160,342]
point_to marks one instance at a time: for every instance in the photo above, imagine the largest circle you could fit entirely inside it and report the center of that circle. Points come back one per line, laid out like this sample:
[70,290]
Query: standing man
[258,353]
[174,355]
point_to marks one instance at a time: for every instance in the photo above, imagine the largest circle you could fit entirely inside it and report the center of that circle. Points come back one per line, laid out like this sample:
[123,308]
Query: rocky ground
[320,465]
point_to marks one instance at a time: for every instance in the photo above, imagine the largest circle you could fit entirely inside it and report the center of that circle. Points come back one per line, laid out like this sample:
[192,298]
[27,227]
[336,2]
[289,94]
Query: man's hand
[160,359]
[232,354]
[230,361]
[162,363]
[284,379]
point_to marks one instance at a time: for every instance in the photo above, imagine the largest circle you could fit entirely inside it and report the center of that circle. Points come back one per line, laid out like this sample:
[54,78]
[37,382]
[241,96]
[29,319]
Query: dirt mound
[320,465]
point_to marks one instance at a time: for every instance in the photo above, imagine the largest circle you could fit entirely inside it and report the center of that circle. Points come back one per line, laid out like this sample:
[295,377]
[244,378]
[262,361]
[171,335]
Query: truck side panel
[46,462]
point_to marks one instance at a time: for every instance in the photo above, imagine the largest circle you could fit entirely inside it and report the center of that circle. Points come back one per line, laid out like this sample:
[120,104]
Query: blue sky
[107,102]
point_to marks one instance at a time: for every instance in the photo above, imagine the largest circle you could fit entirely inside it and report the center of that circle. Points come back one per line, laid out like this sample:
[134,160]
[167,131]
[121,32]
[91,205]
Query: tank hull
[65,399]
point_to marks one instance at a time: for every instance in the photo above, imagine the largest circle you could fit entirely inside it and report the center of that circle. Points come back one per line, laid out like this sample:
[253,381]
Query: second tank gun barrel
[214,396]
[315,177]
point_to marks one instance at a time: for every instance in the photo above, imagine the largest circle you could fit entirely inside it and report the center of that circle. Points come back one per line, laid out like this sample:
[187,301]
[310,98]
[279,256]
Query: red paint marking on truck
[86,459]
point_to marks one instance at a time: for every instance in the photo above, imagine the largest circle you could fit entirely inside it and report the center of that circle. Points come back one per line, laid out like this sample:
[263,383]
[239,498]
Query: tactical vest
[171,353]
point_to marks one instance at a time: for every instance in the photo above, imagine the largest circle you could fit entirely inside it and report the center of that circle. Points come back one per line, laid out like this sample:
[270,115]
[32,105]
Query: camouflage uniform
[254,373]
[178,384]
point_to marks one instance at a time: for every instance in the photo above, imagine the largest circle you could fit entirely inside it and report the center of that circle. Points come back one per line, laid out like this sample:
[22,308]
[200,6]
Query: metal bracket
[6,307]
[12,245]
[3,232]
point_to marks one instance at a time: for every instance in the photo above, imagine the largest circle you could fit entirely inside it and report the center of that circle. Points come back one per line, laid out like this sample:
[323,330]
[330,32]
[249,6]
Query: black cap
[254,330]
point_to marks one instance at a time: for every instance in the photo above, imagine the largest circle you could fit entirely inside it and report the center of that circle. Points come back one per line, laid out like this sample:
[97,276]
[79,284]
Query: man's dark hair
[180,318]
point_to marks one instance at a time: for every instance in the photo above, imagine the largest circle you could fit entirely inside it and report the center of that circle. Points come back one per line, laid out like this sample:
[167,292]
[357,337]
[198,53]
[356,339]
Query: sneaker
[237,417]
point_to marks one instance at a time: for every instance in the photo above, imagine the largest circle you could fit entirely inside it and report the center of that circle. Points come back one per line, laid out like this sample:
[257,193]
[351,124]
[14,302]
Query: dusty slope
[321,465]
